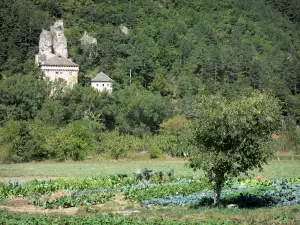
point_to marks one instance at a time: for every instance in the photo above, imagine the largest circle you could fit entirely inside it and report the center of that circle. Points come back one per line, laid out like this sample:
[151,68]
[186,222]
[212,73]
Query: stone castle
[53,58]
[53,55]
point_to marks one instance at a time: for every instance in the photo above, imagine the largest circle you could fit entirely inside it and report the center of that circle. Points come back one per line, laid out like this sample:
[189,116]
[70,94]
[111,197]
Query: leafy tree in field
[156,145]
[39,133]
[22,141]
[75,141]
[292,136]
[231,136]
[115,145]
[177,130]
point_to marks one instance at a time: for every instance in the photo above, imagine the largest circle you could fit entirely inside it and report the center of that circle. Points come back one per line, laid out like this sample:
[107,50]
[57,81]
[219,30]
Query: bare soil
[20,205]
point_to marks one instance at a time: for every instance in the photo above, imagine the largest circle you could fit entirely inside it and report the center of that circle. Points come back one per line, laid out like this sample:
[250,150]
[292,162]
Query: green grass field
[88,169]
[169,215]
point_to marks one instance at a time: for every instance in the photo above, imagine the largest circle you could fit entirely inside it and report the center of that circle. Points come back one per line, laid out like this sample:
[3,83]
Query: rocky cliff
[53,43]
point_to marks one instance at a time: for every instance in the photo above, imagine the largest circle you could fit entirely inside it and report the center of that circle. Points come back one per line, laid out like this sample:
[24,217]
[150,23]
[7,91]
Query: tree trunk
[217,195]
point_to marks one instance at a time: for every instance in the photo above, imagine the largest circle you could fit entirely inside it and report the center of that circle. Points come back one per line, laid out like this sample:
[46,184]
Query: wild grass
[275,215]
[177,215]
[98,168]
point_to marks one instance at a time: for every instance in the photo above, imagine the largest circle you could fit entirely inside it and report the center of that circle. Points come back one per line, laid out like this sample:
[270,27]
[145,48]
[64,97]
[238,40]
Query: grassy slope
[84,169]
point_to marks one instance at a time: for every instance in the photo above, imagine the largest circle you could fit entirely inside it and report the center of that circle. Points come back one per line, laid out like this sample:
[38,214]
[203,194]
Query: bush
[156,145]
[13,138]
[117,145]
[74,141]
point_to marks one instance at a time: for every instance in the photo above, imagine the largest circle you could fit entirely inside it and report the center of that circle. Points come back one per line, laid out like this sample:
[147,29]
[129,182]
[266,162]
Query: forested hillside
[177,50]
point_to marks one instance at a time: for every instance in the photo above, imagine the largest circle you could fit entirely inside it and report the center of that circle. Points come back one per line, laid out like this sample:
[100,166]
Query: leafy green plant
[165,190]
[73,200]
[15,189]
[282,193]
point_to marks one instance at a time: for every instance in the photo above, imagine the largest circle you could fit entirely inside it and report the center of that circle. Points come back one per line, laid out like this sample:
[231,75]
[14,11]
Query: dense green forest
[177,51]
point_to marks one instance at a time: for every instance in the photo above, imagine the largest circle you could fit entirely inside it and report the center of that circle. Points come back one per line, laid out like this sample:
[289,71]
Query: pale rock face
[60,46]
[124,29]
[45,46]
[87,39]
[53,42]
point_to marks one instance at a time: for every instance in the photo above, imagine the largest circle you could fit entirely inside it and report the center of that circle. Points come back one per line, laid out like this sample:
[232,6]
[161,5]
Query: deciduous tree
[231,136]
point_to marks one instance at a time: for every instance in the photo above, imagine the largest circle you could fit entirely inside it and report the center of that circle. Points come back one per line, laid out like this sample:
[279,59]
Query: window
[103,85]
[56,72]
[70,73]
[97,85]
[61,72]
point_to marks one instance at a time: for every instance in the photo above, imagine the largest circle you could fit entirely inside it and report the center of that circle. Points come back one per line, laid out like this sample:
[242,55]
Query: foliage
[230,135]
[73,104]
[156,145]
[117,145]
[73,200]
[21,97]
[259,196]
[140,111]
[22,23]
[74,141]
[36,188]
[14,138]
[235,48]
[162,191]
[154,190]
[79,186]
[292,139]
[178,132]
[103,219]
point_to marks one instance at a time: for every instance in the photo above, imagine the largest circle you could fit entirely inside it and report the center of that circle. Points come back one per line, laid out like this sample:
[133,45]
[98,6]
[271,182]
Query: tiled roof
[59,61]
[102,77]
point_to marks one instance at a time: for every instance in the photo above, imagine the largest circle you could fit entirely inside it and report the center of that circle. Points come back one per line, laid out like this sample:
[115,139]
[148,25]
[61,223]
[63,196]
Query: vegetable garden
[149,189]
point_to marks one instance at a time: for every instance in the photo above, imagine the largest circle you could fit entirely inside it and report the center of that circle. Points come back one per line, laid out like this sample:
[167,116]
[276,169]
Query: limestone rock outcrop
[45,45]
[60,46]
[87,39]
[52,43]
[124,29]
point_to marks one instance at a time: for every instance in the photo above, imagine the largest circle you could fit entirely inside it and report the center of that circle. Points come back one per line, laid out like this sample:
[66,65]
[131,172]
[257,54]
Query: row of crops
[8,219]
[152,189]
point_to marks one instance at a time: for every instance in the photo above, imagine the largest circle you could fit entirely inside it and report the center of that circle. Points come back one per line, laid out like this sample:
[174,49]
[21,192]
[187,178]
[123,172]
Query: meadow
[48,170]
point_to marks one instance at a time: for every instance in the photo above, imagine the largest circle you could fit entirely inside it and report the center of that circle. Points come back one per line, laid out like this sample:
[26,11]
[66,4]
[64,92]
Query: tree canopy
[231,135]
[175,50]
